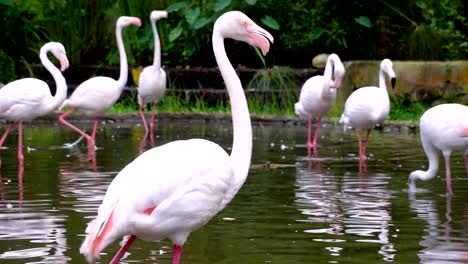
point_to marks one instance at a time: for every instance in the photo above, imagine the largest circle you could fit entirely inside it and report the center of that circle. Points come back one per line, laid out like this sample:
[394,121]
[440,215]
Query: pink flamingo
[368,106]
[443,129]
[171,190]
[152,81]
[28,98]
[318,95]
[96,95]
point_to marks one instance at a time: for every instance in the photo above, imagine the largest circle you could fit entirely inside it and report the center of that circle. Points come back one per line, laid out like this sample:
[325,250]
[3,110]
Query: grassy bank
[401,109]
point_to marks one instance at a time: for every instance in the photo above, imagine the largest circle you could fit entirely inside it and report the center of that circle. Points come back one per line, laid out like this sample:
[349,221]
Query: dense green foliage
[414,29]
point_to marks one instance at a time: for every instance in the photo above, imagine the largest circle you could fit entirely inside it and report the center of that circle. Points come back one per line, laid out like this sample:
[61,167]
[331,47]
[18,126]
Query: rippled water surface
[317,208]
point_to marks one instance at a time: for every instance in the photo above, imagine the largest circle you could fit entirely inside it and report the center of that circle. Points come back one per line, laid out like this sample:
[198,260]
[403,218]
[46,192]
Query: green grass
[401,108]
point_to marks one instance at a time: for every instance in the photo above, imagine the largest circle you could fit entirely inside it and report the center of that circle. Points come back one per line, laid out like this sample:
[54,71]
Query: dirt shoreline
[282,120]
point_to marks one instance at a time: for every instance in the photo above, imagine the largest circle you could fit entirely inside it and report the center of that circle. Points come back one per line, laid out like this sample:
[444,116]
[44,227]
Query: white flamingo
[443,128]
[28,98]
[152,81]
[186,182]
[368,106]
[96,95]
[318,95]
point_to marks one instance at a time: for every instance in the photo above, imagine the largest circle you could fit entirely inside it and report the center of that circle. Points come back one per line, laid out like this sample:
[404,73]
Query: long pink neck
[157,48]
[123,58]
[242,145]
[61,84]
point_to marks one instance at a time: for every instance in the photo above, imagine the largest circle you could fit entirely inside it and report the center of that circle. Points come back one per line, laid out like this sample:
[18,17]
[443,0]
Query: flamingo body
[94,96]
[174,189]
[318,94]
[368,106]
[441,130]
[28,98]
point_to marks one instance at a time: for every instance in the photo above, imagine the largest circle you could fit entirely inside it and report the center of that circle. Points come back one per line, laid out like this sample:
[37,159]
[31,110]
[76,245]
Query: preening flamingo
[443,129]
[152,81]
[368,106]
[318,94]
[171,190]
[28,98]
[96,95]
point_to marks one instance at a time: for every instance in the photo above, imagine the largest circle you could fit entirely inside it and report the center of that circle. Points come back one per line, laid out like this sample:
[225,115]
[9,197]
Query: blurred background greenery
[401,30]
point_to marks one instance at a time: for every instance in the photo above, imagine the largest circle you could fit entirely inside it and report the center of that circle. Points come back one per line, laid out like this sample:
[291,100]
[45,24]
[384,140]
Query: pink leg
[130,240]
[317,130]
[63,121]
[142,114]
[93,135]
[364,144]
[360,145]
[5,134]
[20,141]
[153,113]
[122,250]
[177,253]
[448,177]
[309,133]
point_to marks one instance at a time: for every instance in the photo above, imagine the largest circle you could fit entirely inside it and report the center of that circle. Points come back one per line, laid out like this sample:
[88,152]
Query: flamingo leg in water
[7,131]
[309,133]
[20,141]
[364,144]
[153,113]
[128,243]
[93,135]
[465,158]
[65,122]
[360,144]
[317,131]
[448,177]
[142,114]
[177,253]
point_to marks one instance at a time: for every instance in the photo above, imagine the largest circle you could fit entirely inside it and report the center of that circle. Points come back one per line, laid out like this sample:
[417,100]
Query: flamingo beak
[393,81]
[259,37]
[64,63]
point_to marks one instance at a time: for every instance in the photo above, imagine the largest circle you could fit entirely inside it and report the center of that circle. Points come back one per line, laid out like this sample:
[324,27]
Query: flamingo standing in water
[96,95]
[318,94]
[171,190]
[443,128]
[28,98]
[152,81]
[368,106]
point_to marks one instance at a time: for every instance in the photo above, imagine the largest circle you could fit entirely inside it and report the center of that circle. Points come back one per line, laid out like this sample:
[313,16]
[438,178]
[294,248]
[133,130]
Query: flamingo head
[387,66]
[58,50]
[337,71]
[158,14]
[124,21]
[236,25]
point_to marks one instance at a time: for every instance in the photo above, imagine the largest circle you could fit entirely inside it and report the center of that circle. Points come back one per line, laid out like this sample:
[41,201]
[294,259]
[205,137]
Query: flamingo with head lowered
[318,95]
[368,106]
[443,128]
[171,190]
[152,81]
[28,98]
[96,95]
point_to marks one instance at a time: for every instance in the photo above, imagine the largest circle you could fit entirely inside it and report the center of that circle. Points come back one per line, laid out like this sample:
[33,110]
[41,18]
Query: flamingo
[28,98]
[442,128]
[318,94]
[368,106]
[171,190]
[152,81]
[96,95]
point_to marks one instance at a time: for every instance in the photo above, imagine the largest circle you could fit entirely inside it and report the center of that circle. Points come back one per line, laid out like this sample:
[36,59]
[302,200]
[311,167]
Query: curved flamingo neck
[327,90]
[382,81]
[61,84]
[157,48]
[433,157]
[242,128]
[123,58]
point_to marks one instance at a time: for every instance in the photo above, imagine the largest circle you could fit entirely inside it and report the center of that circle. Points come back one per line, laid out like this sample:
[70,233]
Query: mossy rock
[320,61]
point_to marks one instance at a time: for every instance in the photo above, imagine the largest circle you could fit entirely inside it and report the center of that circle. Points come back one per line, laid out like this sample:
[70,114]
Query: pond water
[305,209]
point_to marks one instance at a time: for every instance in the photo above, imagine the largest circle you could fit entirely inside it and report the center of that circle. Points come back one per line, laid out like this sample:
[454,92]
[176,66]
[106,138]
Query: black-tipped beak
[393,81]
